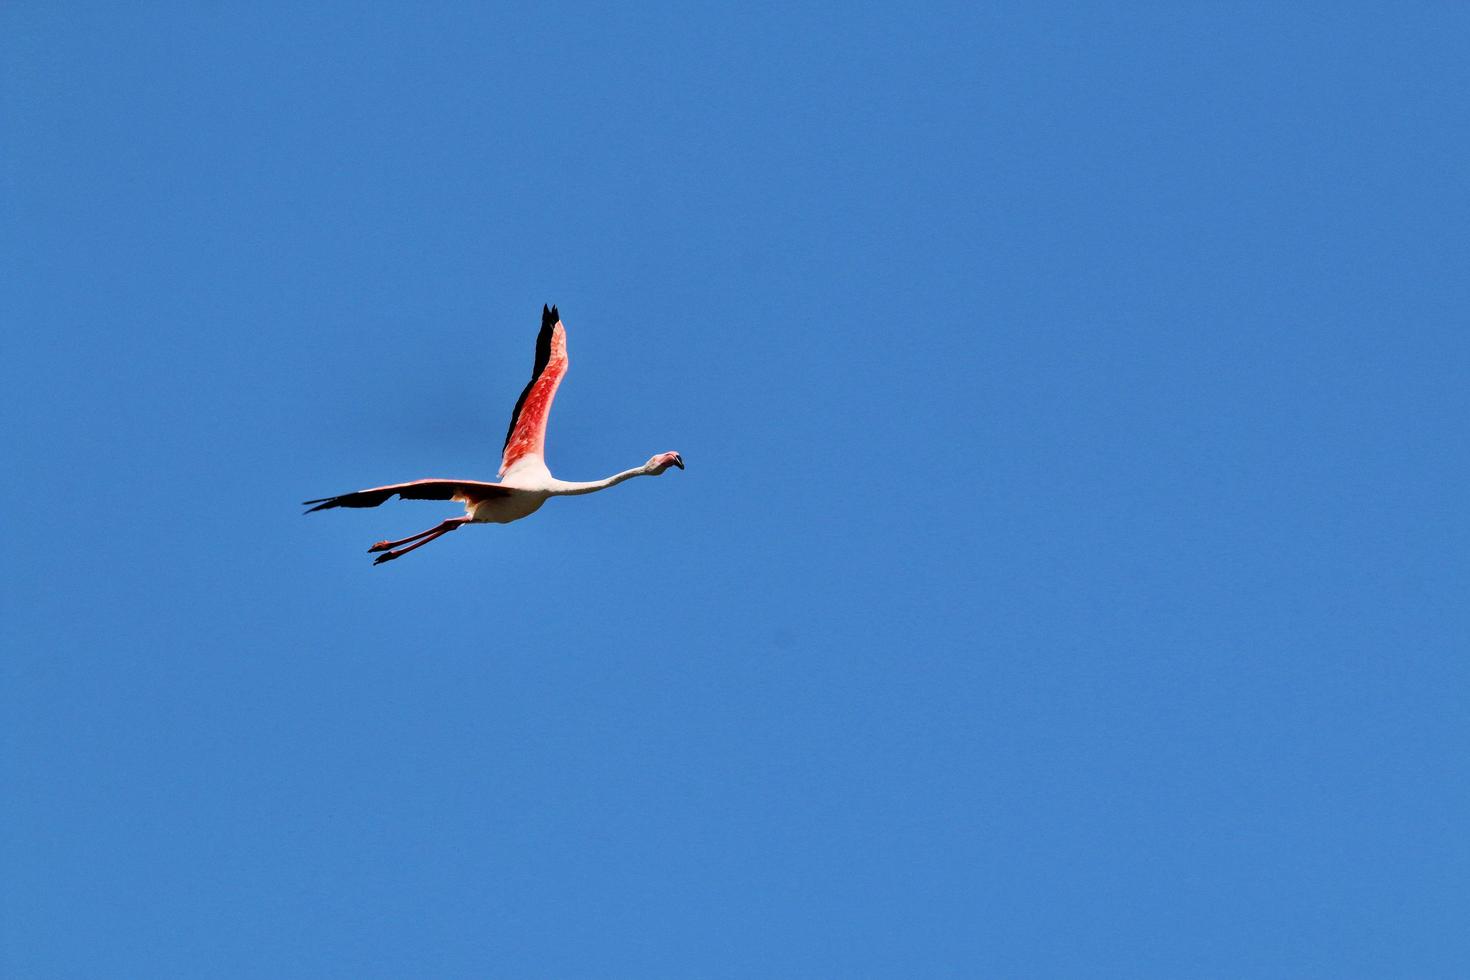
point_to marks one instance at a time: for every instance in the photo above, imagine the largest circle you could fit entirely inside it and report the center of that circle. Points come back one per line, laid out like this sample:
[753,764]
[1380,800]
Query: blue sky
[1069,575]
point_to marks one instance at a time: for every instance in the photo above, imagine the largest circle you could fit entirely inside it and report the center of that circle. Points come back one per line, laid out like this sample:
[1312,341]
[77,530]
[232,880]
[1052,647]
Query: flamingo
[525,482]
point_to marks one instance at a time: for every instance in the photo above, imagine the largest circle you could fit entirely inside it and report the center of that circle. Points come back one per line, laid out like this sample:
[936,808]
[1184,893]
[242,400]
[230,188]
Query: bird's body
[525,482]
[503,510]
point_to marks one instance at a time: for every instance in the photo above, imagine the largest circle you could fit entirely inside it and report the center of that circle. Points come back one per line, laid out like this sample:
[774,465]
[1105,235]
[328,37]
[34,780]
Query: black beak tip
[679,461]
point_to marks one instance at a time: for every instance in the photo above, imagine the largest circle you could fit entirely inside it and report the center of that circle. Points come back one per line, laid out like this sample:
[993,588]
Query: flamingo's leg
[385,545]
[427,536]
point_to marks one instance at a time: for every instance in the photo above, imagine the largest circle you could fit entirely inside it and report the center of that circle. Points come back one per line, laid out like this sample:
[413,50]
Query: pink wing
[466,490]
[527,433]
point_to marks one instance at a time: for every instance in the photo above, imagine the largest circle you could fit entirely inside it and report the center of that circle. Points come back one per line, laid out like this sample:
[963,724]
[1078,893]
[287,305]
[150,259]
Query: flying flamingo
[525,482]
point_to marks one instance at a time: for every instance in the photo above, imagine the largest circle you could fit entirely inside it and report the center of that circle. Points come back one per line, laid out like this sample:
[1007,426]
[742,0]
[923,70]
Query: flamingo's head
[663,461]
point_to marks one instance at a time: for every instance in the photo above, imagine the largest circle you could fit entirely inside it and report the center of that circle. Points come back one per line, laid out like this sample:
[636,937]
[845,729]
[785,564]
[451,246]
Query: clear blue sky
[1069,577]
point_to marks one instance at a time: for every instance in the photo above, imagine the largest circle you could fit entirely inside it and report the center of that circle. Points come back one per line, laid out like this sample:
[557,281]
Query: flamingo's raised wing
[527,434]
[464,490]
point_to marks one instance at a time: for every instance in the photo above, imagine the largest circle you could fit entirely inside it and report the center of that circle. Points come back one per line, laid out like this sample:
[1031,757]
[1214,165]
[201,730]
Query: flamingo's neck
[568,488]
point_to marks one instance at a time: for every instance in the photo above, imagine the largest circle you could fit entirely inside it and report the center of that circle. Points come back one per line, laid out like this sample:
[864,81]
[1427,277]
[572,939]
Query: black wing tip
[326,503]
[549,316]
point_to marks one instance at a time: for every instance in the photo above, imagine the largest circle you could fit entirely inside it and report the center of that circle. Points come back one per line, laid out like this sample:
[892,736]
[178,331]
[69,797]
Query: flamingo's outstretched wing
[527,434]
[465,490]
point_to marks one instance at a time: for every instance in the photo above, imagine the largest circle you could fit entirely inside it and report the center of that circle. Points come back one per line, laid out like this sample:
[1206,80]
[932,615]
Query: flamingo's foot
[387,556]
[380,546]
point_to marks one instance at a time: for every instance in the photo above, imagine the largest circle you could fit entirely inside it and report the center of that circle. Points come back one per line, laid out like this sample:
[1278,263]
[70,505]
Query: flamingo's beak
[679,461]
